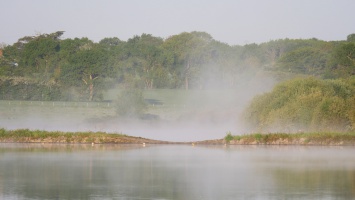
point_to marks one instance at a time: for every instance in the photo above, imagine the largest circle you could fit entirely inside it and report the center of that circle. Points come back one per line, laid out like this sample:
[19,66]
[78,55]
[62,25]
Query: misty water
[48,171]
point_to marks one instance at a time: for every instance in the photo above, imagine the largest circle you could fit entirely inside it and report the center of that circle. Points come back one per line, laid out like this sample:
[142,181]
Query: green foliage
[305,60]
[298,138]
[351,38]
[87,68]
[228,137]
[26,135]
[83,69]
[19,88]
[130,103]
[258,137]
[304,104]
[38,49]
[342,61]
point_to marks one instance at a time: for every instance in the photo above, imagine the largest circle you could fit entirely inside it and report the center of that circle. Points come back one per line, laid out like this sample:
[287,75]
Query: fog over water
[200,115]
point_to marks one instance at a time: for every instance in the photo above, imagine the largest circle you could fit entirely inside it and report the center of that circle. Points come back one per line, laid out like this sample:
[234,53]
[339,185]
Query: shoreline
[57,137]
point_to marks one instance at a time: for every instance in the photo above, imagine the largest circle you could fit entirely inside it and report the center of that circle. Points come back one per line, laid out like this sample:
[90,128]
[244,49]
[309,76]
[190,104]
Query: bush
[130,103]
[228,137]
[304,104]
[20,88]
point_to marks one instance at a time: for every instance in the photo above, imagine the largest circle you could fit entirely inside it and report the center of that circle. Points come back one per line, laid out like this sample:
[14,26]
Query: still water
[36,171]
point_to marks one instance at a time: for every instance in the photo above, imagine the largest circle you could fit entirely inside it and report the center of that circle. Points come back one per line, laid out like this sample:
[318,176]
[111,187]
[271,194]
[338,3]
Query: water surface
[36,171]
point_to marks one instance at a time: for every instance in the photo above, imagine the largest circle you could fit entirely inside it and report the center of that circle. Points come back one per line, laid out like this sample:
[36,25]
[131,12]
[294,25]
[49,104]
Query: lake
[55,171]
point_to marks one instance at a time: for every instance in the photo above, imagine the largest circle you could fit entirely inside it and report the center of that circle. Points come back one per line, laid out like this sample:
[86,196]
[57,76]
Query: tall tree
[39,51]
[190,51]
[351,38]
[86,67]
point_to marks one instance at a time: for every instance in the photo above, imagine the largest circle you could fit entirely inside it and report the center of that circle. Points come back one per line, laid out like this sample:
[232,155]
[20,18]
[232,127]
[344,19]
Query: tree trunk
[91,89]
[187,76]
[90,82]
[186,83]
[148,84]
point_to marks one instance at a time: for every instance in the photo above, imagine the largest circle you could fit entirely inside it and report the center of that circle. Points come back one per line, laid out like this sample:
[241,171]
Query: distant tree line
[46,67]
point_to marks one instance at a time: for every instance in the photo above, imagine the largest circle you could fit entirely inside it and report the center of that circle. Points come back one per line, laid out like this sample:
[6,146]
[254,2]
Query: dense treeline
[50,68]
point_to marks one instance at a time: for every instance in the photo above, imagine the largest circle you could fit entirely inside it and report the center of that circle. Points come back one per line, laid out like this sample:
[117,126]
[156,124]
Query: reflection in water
[175,172]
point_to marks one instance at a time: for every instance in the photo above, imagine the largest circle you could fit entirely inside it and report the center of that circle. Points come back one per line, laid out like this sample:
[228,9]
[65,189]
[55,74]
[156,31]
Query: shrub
[228,137]
[306,104]
[130,103]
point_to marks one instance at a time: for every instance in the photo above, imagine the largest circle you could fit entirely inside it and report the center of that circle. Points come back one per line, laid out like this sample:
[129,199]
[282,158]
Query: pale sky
[230,21]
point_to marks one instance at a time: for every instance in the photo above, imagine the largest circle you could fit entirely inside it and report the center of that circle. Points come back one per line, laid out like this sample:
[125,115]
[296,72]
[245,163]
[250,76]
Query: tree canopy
[82,69]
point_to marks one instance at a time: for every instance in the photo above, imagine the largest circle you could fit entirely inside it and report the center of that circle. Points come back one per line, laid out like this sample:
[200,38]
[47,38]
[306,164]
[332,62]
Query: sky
[236,22]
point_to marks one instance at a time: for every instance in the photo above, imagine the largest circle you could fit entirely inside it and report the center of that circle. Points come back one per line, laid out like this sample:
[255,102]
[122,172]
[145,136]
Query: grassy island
[40,136]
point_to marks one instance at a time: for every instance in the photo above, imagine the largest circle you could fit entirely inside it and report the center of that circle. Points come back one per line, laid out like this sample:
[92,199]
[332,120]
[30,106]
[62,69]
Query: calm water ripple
[35,171]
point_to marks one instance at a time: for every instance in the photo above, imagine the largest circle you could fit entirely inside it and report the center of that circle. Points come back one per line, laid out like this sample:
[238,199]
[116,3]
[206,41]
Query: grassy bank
[38,136]
[318,138]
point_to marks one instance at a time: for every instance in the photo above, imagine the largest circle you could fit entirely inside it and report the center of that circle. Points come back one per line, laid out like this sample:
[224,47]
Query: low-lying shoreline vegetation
[41,136]
[316,138]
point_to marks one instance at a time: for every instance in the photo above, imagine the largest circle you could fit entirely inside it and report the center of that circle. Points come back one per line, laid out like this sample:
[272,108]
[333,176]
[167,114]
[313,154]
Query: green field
[171,115]
[171,104]
[165,104]
[174,97]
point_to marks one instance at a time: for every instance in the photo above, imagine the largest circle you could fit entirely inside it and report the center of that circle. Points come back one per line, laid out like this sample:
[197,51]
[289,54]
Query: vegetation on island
[40,136]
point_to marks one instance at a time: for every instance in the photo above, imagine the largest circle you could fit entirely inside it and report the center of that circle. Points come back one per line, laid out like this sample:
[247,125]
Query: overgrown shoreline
[318,138]
[40,136]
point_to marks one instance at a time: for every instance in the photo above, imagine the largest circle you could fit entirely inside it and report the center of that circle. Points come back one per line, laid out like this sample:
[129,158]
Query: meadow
[166,107]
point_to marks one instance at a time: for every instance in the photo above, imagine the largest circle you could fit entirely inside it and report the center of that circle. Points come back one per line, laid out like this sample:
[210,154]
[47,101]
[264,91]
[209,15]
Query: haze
[191,119]
[232,22]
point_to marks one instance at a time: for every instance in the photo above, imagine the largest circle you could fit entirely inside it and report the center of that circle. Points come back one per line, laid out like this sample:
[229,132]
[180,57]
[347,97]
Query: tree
[86,67]
[342,61]
[305,60]
[351,38]
[39,51]
[139,59]
[190,51]
[110,42]
[149,55]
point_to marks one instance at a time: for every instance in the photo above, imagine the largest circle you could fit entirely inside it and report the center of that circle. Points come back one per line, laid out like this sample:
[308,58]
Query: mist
[203,114]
